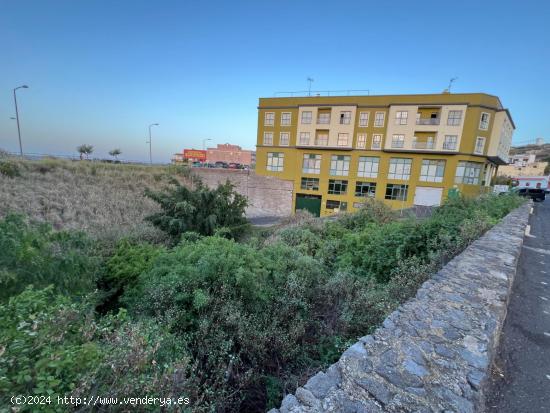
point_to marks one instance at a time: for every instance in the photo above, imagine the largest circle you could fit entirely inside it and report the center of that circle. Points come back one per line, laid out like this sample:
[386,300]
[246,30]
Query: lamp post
[150,151]
[204,143]
[17,117]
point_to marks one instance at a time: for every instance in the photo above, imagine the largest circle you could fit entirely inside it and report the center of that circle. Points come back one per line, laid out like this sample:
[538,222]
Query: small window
[339,165]
[323,118]
[401,117]
[376,142]
[321,139]
[284,139]
[365,189]
[364,119]
[304,138]
[484,121]
[432,170]
[361,141]
[269,119]
[333,204]
[345,117]
[311,164]
[449,143]
[455,117]
[480,145]
[400,168]
[398,141]
[306,117]
[310,184]
[286,118]
[343,139]
[337,187]
[275,161]
[397,192]
[379,118]
[268,138]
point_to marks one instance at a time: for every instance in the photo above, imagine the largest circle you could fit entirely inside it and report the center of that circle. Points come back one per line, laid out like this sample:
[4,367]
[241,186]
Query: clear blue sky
[100,71]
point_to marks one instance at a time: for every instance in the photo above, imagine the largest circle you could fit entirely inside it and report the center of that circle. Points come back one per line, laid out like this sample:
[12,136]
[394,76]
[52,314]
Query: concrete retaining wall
[433,354]
[268,196]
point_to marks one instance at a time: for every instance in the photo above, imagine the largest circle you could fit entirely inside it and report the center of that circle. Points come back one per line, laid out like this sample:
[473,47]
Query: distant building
[522,165]
[540,141]
[522,159]
[230,154]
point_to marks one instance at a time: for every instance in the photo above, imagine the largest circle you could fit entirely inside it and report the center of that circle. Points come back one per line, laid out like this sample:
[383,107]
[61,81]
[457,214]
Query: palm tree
[85,150]
[114,153]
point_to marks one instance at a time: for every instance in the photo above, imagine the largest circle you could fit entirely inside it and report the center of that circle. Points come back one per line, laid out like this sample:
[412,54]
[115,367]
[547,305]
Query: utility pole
[310,80]
[17,117]
[150,149]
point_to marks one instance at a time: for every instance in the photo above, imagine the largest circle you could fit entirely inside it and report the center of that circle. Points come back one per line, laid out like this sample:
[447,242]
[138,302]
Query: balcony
[449,146]
[397,144]
[423,145]
[427,121]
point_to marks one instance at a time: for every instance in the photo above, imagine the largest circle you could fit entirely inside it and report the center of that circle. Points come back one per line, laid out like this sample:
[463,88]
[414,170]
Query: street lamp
[150,151]
[17,117]
[204,143]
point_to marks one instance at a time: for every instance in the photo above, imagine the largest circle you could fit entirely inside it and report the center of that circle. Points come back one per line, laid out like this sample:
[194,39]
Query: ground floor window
[397,192]
[432,170]
[337,187]
[468,173]
[333,204]
[311,184]
[367,189]
[275,161]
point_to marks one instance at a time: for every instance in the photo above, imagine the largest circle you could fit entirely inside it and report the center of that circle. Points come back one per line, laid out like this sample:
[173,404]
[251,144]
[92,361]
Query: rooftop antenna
[310,80]
[451,83]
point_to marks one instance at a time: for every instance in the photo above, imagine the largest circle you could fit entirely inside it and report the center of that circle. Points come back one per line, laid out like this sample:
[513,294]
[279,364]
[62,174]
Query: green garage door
[312,203]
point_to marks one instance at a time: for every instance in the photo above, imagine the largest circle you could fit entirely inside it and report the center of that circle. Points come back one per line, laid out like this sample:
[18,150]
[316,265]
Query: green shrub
[34,254]
[9,168]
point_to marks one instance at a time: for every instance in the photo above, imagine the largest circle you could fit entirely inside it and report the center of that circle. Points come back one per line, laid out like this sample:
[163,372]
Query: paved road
[523,383]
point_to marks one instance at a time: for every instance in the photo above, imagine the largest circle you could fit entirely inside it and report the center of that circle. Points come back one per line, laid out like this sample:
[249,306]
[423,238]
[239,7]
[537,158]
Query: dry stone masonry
[434,353]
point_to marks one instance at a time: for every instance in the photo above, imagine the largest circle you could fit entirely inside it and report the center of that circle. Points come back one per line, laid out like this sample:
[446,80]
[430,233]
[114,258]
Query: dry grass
[106,200]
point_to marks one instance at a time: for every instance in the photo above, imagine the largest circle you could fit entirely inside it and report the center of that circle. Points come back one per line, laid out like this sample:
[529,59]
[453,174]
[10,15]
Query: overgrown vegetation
[231,325]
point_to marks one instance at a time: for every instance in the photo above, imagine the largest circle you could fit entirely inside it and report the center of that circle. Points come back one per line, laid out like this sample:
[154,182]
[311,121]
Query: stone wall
[268,196]
[434,353]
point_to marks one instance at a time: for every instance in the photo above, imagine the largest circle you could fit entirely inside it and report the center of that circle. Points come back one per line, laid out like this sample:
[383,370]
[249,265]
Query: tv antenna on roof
[451,83]
[310,80]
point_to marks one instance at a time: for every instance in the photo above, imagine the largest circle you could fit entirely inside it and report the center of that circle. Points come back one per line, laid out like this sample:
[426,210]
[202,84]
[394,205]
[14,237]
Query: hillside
[542,151]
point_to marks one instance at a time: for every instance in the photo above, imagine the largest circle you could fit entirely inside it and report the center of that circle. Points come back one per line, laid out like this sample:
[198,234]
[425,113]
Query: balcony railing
[375,145]
[397,144]
[427,121]
[423,145]
[449,146]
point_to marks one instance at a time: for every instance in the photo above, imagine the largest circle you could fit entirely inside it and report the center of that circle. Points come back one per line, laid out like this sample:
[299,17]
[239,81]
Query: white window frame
[345,117]
[268,141]
[376,141]
[447,140]
[304,138]
[379,120]
[317,141]
[275,163]
[368,167]
[479,148]
[269,119]
[286,118]
[343,139]
[281,141]
[468,173]
[401,117]
[361,142]
[307,119]
[454,120]
[398,140]
[400,169]
[364,119]
[324,114]
[432,170]
[311,163]
[339,167]
[484,125]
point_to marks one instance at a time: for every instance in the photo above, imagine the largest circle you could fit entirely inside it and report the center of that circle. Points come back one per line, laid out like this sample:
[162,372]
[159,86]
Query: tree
[200,210]
[85,150]
[114,153]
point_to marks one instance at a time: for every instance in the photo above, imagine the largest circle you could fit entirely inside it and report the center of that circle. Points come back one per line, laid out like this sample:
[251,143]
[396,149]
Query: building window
[397,192]
[321,139]
[304,138]
[337,187]
[397,141]
[468,173]
[275,161]
[284,138]
[310,184]
[333,204]
[401,117]
[286,118]
[376,142]
[379,119]
[484,121]
[361,141]
[365,189]
[345,117]
[339,165]
[368,167]
[480,145]
[268,138]
[269,119]
[306,117]
[432,170]
[323,118]
[455,117]
[311,164]
[364,119]
[343,139]
[400,168]
[450,142]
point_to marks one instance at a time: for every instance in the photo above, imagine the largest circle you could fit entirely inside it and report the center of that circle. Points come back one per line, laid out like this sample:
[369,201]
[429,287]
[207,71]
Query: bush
[33,254]
[9,168]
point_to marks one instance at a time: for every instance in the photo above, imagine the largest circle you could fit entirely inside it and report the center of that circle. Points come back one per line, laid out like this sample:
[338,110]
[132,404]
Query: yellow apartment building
[402,149]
